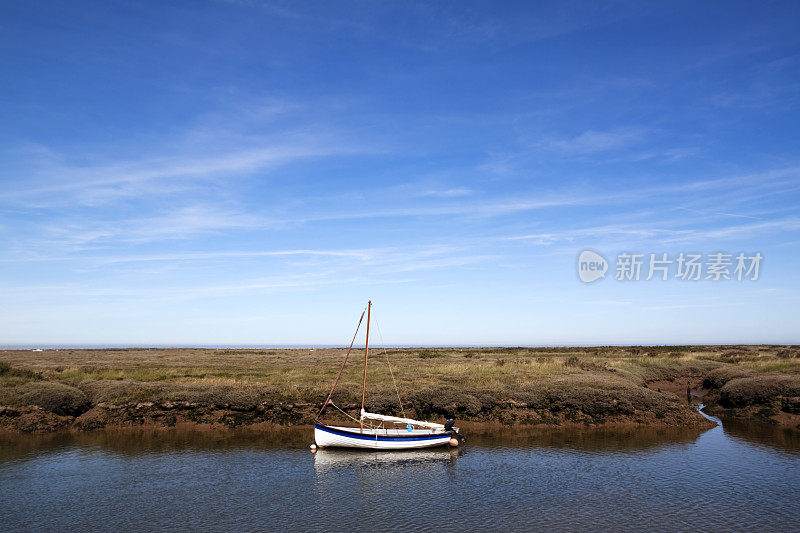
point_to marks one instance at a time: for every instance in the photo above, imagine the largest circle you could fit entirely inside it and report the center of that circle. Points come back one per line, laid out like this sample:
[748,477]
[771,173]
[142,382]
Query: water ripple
[721,479]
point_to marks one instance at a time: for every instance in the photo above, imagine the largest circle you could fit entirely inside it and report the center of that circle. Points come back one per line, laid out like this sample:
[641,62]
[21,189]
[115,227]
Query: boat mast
[366,352]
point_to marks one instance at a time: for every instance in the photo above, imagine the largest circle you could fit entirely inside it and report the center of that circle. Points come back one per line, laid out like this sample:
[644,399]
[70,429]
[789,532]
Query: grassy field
[234,387]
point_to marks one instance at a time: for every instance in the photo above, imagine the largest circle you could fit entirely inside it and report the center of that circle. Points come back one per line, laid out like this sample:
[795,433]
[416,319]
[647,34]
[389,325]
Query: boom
[397,420]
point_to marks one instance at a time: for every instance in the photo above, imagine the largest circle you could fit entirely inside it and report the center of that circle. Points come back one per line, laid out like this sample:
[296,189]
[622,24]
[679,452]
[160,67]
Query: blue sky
[251,173]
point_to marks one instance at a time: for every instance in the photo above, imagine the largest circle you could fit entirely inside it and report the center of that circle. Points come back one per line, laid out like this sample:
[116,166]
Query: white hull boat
[378,438]
[412,434]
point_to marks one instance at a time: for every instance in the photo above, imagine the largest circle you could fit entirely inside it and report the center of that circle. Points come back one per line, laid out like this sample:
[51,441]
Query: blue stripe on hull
[379,437]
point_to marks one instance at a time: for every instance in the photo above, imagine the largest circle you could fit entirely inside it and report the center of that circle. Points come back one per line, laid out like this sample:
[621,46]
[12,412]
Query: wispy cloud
[74,232]
[768,183]
[178,223]
[634,232]
[341,268]
[336,262]
[57,183]
[637,234]
[454,192]
[686,306]
[593,142]
[363,255]
[786,224]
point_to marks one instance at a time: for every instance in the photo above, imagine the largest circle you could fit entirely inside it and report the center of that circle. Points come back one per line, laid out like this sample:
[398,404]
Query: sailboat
[374,431]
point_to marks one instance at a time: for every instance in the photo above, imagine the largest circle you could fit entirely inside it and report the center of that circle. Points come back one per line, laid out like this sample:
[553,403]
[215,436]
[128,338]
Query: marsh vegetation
[85,389]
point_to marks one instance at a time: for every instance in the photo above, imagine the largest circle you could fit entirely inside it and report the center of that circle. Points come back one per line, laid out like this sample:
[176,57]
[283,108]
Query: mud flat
[607,386]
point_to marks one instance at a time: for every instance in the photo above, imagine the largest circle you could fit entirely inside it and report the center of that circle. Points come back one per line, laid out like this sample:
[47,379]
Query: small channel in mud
[733,476]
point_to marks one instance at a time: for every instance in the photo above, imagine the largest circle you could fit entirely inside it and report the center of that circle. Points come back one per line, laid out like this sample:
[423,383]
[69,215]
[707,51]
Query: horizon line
[7,347]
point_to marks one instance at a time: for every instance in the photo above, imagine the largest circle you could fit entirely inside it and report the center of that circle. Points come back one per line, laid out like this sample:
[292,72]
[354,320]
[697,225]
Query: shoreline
[150,415]
[594,387]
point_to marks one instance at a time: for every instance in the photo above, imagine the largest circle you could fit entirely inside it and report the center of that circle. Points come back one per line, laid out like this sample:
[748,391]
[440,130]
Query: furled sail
[397,420]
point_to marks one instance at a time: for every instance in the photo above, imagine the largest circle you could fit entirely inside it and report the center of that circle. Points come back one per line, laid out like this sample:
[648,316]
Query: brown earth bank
[743,394]
[82,390]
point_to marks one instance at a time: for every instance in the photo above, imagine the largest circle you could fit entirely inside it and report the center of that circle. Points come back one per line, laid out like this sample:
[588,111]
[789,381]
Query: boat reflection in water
[328,459]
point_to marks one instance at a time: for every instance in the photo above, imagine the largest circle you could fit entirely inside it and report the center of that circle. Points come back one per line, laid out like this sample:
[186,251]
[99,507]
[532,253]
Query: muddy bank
[744,395]
[36,419]
[741,395]
[84,390]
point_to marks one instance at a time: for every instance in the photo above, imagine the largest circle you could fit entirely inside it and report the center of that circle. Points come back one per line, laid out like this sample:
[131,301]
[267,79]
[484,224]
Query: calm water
[733,478]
